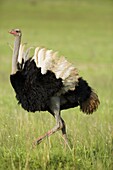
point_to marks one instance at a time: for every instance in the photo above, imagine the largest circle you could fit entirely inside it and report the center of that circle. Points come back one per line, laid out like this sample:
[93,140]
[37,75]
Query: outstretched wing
[49,60]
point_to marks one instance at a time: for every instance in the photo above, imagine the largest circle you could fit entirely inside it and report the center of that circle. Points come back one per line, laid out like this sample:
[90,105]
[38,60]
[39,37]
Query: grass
[82,31]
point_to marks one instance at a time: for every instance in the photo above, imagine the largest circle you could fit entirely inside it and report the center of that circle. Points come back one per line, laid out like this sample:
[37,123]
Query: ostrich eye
[17,31]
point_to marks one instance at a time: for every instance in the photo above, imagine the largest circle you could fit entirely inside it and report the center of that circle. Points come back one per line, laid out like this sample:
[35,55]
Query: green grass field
[83,32]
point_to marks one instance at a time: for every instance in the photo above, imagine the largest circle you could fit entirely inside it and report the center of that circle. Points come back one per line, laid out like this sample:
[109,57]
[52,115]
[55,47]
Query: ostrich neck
[15,53]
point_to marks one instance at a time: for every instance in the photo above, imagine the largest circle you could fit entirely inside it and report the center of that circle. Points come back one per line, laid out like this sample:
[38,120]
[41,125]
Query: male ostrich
[47,82]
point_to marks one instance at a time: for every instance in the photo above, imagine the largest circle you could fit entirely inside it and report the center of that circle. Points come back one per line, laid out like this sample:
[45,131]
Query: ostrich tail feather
[91,104]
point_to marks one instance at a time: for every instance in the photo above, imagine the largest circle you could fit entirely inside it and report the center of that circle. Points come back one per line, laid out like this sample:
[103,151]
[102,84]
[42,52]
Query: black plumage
[34,90]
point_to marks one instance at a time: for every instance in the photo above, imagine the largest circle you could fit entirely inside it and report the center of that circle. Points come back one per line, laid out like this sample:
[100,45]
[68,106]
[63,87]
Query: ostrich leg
[60,124]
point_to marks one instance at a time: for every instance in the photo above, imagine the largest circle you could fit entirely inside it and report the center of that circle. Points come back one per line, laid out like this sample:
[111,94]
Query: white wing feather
[35,57]
[26,54]
[21,53]
[47,62]
[41,57]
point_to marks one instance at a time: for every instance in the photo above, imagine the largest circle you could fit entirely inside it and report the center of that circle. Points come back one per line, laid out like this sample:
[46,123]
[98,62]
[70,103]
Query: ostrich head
[16,32]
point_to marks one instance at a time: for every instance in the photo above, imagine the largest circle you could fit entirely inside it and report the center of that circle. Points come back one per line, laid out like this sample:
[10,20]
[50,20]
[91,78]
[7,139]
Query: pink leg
[59,126]
[49,133]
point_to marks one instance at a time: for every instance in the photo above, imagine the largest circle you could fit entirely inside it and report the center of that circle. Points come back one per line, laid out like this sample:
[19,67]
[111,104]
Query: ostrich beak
[12,32]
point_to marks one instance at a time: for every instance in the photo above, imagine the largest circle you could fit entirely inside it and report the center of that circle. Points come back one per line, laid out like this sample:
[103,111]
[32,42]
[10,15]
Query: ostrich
[50,83]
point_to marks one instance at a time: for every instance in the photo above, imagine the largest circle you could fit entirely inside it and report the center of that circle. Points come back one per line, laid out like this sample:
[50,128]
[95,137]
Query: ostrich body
[46,82]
